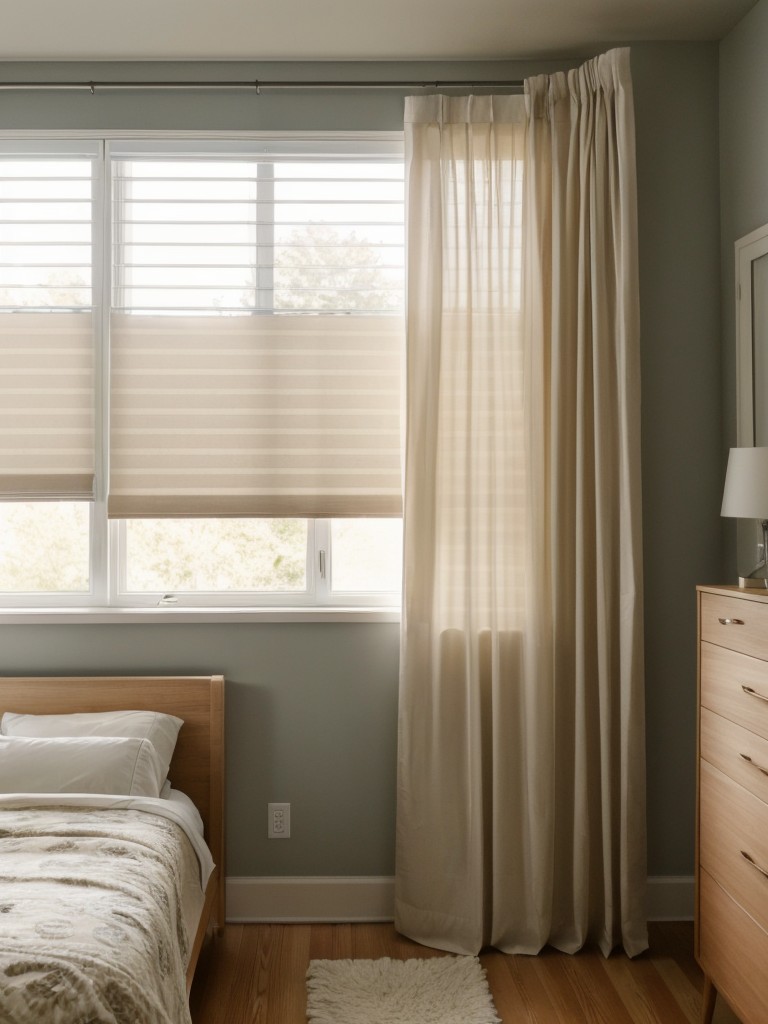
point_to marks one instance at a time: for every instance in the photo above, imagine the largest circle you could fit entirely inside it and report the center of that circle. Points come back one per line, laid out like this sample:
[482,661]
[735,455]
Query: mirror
[751,367]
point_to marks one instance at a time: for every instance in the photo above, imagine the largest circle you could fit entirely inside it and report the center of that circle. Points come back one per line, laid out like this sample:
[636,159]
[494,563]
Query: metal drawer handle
[731,622]
[753,693]
[754,764]
[754,864]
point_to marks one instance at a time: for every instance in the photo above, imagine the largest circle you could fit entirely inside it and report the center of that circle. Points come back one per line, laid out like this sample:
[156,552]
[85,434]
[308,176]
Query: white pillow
[122,766]
[161,730]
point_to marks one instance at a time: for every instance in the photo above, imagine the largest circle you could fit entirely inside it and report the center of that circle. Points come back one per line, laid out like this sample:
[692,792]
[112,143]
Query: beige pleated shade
[255,416]
[46,406]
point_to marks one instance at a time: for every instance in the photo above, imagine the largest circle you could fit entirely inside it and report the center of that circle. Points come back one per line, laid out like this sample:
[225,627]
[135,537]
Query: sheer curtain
[521,808]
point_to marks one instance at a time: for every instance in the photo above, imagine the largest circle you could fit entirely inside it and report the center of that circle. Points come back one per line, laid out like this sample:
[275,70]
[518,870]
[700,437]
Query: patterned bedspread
[91,925]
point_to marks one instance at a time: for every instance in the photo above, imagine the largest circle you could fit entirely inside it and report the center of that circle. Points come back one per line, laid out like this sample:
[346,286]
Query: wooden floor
[254,974]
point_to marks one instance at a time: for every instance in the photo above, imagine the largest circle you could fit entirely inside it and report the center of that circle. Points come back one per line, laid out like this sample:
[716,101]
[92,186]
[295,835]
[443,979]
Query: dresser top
[733,591]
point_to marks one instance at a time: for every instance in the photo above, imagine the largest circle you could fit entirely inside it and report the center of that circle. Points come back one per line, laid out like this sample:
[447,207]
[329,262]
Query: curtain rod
[258,85]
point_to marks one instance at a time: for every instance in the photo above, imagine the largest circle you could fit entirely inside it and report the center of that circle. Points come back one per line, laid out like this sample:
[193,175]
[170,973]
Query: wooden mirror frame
[748,250]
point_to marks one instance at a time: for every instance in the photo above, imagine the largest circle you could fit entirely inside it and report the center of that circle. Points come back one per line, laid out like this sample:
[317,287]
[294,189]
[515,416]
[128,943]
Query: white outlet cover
[278,821]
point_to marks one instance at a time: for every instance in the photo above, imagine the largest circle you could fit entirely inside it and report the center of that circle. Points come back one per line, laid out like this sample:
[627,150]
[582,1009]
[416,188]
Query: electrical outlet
[278,821]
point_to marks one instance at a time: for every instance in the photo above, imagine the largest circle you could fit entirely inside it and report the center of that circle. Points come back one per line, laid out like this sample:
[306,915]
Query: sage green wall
[311,718]
[676,126]
[311,708]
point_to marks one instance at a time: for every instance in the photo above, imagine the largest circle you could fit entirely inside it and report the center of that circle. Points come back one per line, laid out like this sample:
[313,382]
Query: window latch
[321,562]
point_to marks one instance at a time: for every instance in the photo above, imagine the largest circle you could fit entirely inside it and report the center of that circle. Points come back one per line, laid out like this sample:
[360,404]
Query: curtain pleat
[521,772]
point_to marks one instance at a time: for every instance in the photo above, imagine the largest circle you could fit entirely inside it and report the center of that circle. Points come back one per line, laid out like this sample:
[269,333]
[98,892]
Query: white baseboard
[320,899]
[670,897]
[359,899]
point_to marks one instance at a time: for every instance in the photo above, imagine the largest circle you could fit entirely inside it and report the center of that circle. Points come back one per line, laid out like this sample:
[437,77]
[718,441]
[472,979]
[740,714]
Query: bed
[66,859]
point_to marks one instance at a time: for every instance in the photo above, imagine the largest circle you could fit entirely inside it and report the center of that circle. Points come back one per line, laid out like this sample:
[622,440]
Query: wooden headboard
[197,767]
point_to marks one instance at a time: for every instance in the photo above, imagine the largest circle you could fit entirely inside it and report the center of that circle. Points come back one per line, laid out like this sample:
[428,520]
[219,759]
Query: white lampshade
[745,494]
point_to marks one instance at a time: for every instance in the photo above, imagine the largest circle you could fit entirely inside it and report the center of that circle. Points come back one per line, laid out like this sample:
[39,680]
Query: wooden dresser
[732,821]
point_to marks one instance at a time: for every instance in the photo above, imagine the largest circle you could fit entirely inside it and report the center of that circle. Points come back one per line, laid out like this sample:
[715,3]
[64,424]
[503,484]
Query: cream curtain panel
[255,416]
[47,446]
[521,808]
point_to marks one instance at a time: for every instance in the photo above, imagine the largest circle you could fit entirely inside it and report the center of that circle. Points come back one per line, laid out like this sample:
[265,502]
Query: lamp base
[753,582]
[758,578]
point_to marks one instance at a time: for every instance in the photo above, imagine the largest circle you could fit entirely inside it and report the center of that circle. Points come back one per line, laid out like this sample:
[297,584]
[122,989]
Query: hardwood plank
[287,987]
[526,978]
[600,1004]
[331,942]
[256,974]
[247,1002]
[511,1000]
[687,996]
[371,942]
[643,991]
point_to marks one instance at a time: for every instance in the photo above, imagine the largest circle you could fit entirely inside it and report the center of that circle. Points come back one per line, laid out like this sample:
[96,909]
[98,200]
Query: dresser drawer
[736,623]
[739,753]
[733,951]
[733,840]
[736,687]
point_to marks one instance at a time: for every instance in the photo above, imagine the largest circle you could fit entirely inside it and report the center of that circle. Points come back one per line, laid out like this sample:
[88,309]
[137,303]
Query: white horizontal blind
[46,335]
[256,337]
[280,235]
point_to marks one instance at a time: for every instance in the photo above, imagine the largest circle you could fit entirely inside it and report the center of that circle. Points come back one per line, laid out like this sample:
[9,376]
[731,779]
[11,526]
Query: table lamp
[745,496]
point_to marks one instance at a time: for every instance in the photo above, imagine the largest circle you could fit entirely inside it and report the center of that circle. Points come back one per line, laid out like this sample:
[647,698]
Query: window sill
[180,616]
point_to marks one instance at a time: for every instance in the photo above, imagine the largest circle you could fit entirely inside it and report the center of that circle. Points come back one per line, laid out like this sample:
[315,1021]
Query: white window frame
[107,596]
[318,592]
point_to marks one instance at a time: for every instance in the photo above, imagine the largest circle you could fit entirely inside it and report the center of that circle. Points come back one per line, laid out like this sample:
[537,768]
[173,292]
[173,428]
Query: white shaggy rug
[437,990]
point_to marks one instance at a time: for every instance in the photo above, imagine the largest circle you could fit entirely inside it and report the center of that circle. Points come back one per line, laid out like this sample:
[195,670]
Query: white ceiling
[257,30]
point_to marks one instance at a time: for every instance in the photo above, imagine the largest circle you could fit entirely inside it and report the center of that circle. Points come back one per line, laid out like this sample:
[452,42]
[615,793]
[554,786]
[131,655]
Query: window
[365,555]
[242,323]
[44,547]
[47,452]
[316,236]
